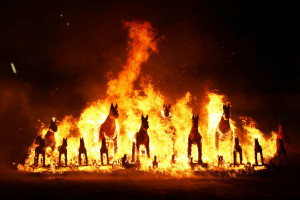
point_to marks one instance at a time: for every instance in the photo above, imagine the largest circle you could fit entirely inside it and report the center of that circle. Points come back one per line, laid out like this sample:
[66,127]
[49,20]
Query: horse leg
[147,149]
[241,156]
[199,152]
[256,158]
[189,148]
[116,144]
[36,158]
[234,157]
[138,148]
[107,157]
[66,158]
[101,156]
[79,157]
[262,158]
[86,158]
[59,159]
[44,159]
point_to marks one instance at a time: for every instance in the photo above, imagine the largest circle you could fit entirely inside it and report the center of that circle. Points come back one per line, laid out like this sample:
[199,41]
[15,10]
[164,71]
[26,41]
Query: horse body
[108,128]
[142,137]
[63,150]
[224,130]
[195,138]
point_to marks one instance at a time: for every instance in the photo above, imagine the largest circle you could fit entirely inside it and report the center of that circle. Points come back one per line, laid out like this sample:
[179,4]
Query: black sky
[247,50]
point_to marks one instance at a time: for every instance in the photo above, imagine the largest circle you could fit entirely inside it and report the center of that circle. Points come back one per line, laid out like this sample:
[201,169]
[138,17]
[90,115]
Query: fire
[168,135]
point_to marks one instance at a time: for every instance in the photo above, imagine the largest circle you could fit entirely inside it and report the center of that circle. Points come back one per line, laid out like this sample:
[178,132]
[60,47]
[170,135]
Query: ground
[272,184]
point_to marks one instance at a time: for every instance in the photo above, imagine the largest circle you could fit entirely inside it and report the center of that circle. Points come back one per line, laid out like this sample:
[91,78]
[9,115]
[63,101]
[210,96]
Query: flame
[168,136]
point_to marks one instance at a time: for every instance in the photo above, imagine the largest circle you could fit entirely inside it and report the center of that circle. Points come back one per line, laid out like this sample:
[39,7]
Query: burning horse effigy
[237,150]
[108,128]
[142,137]
[258,150]
[224,131]
[195,138]
[82,150]
[40,150]
[63,150]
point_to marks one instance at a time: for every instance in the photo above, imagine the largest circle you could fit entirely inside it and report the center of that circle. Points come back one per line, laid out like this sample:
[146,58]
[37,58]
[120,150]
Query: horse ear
[142,116]
[116,106]
[147,116]
[169,106]
[193,116]
[111,105]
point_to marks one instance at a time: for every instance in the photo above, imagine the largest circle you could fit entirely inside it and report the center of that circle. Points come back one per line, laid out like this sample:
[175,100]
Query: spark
[13,67]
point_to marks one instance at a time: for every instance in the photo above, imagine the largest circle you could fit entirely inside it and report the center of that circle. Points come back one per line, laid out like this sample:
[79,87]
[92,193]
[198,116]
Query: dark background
[248,51]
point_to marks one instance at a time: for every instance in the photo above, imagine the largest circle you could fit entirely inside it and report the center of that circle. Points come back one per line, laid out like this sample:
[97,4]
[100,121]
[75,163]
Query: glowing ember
[117,126]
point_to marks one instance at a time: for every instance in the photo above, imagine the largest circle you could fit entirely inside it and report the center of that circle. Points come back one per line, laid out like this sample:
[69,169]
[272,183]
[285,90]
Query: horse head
[226,110]
[82,142]
[281,126]
[65,142]
[114,110]
[280,142]
[145,123]
[195,121]
[256,142]
[237,142]
[167,109]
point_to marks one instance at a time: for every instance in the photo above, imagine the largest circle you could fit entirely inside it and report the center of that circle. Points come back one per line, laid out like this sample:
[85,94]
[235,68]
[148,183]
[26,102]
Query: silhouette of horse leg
[59,158]
[79,158]
[234,157]
[66,158]
[107,157]
[44,156]
[101,156]
[199,152]
[241,156]
[86,158]
[189,147]
[147,149]
[262,158]
[256,158]
[116,144]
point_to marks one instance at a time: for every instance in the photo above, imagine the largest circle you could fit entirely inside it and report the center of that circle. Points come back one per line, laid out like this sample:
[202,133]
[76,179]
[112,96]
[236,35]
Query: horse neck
[143,130]
[194,130]
[224,120]
[110,118]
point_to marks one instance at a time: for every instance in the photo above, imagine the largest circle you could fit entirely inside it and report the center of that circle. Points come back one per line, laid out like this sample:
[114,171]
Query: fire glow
[169,134]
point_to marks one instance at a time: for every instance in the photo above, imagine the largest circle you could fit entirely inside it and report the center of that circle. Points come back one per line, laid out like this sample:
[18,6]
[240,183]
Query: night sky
[63,52]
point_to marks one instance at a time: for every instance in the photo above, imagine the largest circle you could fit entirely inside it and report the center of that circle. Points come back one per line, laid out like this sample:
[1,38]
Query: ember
[165,139]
